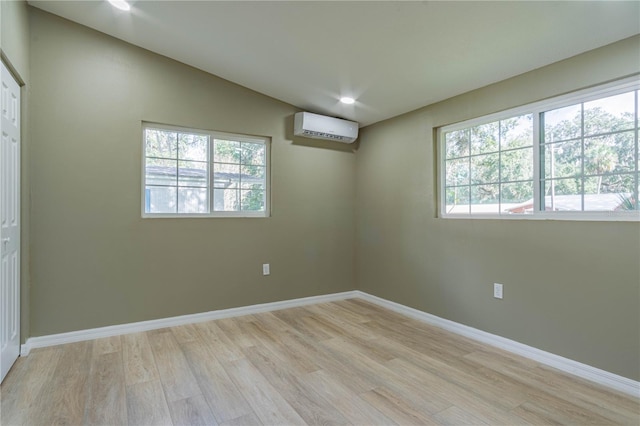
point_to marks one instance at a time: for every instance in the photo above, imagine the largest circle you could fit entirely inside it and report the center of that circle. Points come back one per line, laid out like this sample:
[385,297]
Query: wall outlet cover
[497,290]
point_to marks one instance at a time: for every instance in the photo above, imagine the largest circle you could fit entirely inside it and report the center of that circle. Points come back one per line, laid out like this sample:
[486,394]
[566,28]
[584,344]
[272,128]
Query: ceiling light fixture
[347,100]
[120,4]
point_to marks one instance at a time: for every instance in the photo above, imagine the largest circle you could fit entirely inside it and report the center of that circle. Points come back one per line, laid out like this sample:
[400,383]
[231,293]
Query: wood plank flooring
[347,362]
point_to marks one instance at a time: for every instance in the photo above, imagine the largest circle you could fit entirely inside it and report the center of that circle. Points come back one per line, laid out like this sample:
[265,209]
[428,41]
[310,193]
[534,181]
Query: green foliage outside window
[587,152]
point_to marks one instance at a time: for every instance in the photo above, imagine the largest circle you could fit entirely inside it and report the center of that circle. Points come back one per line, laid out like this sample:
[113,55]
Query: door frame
[10,71]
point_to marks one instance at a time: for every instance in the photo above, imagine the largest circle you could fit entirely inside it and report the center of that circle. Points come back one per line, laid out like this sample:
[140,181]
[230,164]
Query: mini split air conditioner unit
[322,127]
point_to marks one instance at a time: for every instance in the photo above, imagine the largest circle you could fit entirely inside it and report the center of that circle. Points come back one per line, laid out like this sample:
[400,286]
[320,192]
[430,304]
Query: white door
[9,222]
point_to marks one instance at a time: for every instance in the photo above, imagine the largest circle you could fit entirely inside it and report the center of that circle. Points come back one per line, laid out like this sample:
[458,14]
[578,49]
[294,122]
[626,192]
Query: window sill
[237,215]
[572,216]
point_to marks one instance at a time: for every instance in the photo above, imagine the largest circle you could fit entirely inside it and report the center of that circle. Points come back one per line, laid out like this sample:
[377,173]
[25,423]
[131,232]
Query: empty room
[320,212]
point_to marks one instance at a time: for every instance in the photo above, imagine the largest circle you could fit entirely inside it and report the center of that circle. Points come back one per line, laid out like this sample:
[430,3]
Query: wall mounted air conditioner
[322,127]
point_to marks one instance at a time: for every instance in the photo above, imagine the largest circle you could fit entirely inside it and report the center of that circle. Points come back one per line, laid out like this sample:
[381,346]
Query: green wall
[14,36]
[571,288]
[95,262]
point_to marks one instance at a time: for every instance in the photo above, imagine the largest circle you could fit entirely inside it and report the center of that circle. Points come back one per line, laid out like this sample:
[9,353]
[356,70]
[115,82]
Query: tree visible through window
[590,156]
[489,167]
[581,156]
[204,173]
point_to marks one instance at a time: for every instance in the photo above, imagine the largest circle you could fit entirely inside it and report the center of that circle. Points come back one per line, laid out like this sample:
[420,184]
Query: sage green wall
[95,262]
[571,288]
[14,44]
[14,35]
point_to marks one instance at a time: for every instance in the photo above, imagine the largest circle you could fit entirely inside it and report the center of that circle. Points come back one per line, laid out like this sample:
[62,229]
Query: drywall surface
[14,35]
[95,261]
[570,287]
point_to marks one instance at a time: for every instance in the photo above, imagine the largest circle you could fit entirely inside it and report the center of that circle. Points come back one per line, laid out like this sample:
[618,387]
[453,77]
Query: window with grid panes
[573,157]
[201,173]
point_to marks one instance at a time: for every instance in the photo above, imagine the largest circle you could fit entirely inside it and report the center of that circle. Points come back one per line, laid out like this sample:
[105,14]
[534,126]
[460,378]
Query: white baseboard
[602,377]
[596,375]
[134,327]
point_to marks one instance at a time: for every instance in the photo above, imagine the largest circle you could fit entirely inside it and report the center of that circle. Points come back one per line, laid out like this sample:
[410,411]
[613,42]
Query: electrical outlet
[497,290]
[265,269]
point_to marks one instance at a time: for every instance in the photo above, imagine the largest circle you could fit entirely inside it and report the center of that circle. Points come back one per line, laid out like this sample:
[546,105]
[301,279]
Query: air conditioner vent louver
[321,135]
[322,127]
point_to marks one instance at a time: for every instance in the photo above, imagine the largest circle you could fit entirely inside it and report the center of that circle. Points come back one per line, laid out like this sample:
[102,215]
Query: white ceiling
[393,57]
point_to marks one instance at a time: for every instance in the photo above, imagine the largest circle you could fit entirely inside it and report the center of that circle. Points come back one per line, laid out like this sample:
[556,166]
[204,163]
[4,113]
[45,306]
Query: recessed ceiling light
[347,100]
[120,4]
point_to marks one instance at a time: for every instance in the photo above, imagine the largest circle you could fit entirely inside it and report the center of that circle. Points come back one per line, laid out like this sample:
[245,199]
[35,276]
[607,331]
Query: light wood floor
[347,362]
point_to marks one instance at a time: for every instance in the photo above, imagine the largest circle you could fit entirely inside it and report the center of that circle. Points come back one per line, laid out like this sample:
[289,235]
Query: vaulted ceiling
[392,57]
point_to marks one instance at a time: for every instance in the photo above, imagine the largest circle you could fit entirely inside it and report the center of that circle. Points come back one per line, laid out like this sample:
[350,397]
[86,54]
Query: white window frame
[536,109]
[266,141]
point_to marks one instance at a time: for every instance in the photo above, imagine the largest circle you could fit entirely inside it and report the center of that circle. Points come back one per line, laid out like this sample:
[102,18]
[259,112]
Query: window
[489,167]
[573,157]
[200,173]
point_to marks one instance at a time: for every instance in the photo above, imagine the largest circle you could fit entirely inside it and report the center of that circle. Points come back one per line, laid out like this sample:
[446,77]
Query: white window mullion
[499,167]
[469,173]
[582,150]
[239,189]
[210,173]
[538,192]
[442,177]
[636,184]
[177,172]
